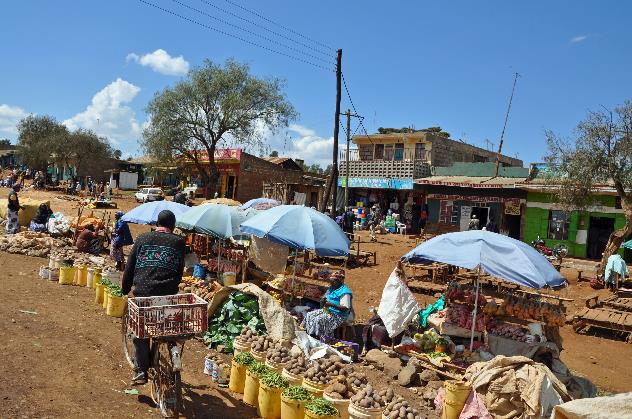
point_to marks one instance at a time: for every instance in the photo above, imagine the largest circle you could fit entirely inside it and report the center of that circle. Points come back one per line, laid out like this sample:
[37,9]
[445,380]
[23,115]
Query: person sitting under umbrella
[88,242]
[336,309]
[38,223]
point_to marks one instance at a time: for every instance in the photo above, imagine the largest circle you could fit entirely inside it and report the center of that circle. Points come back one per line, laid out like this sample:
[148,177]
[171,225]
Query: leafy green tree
[212,105]
[89,152]
[5,142]
[117,154]
[599,153]
[274,153]
[38,138]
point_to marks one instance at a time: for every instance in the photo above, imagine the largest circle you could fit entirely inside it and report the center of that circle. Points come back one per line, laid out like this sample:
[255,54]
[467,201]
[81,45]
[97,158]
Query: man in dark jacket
[154,267]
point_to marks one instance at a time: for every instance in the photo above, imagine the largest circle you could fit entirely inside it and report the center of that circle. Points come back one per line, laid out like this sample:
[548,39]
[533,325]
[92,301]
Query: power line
[254,12]
[225,22]
[361,124]
[171,12]
[250,22]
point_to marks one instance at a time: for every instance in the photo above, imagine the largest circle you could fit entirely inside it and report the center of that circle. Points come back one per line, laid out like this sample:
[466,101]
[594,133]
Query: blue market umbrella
[299,227]
[148,213]
[495,254]
[260,202]
[627,245]
[218,220]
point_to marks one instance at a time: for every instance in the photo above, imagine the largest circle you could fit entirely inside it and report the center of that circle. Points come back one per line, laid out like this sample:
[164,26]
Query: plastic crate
[167,316]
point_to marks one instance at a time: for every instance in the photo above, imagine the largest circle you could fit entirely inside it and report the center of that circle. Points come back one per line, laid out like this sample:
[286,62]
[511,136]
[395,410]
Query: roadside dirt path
[66,360]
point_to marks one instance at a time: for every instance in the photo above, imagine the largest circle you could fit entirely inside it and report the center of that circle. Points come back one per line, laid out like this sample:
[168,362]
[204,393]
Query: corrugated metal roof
[471,181]
[277,160]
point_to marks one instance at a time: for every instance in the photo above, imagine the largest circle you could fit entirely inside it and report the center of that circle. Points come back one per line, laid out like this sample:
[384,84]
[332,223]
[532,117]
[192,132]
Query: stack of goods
[527,309]
[511,331]
[324,369]
[461,316]
[357,379]
[297,364]
[399,408]
[369,398]
[341,388]
[238,311]
[278,354]
[247,336]
[203,289]
[31,244]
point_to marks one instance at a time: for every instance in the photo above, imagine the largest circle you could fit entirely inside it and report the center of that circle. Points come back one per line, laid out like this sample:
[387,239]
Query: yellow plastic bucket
[97,279]
[456,394]
[341,404]
[239,347]
[98,294]
[293,379]
[269,402]
[310,415]
[237,377]
[106,297]
[82,275]
[116,306]
[275,366]
[67,275]
[292,409]
[314,388]
[357,412]
[251,389]
[259,356]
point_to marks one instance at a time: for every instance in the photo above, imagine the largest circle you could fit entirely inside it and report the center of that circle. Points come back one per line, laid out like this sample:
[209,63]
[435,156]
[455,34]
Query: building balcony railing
[402,169]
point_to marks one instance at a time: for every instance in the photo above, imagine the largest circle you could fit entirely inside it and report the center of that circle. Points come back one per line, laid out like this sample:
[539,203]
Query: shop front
[584,232]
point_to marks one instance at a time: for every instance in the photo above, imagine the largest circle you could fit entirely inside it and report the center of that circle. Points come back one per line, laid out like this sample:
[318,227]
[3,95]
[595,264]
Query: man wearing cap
[154,267]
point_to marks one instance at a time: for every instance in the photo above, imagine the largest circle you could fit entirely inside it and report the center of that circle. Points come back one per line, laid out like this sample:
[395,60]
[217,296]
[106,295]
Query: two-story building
[382,168]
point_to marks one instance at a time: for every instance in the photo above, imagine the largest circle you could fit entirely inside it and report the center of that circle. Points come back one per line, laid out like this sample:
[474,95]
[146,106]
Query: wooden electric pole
[347,158]
[502,135]
[333,176]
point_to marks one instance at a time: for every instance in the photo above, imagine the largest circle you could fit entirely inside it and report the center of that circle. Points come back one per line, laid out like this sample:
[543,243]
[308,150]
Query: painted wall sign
[474,198]
[376,183]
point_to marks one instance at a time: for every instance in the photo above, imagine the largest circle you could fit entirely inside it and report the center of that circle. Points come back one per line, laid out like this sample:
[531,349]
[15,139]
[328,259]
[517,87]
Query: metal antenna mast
[502,135]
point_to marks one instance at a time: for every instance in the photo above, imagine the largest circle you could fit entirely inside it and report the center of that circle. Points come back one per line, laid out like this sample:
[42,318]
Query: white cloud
[108,114]
[161,62]
[306,145]
[578,38]
[9,117]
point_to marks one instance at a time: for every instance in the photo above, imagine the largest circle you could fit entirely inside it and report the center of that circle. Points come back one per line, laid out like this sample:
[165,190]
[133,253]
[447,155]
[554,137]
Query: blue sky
[96,64]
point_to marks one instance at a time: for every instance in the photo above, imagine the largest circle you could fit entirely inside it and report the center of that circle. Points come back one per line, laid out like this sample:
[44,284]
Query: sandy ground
[66,361]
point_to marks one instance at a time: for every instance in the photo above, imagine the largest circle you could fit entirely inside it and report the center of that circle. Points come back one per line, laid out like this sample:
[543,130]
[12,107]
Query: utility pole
[347,157]
[502,135]
[333,176]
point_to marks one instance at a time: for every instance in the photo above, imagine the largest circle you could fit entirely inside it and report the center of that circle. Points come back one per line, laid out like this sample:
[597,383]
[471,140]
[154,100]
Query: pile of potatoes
[261,344]
[278,354]
[400,409]
[247,336]
[323,369]
[357,379]
[369,398]
[341,388]
[296,364]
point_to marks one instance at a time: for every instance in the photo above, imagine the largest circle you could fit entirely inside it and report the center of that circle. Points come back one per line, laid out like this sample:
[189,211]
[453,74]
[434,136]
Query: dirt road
[65,361]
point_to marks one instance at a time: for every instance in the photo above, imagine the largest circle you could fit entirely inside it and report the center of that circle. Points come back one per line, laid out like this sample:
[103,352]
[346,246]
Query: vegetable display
[246,335]
[238,311]
[323,369]
[261,344]
[399,408]
[273,379]
[259,369]
[321,407]
[427,341]
[340,389]
[297,364]
[278,354]
[369,398]
[244,358]
[461,315]
[297,393]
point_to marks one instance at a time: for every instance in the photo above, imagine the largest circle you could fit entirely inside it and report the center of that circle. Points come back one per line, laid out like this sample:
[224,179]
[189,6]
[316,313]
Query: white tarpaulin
[617,406]
[398,305]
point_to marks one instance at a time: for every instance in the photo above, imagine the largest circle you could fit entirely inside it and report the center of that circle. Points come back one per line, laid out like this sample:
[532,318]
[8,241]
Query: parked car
[149,195]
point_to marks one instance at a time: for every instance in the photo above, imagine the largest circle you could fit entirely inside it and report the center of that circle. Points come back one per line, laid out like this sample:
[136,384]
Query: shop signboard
[512,207]
[376,183]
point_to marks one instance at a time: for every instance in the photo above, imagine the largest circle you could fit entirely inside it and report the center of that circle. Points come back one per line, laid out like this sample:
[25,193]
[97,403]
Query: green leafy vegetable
[321,407]
[244,358]
[238,311]
[297,393]
[258,368]
[273,379]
